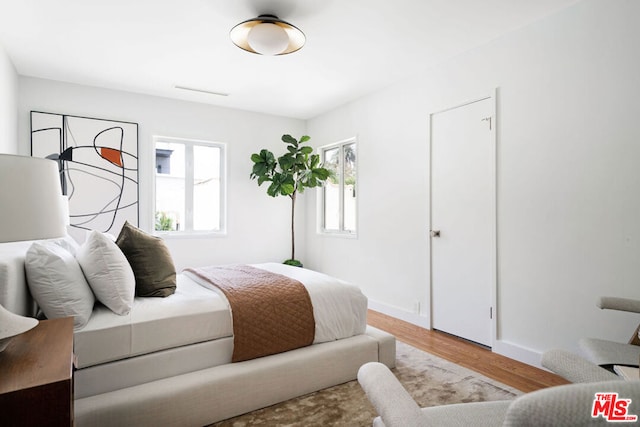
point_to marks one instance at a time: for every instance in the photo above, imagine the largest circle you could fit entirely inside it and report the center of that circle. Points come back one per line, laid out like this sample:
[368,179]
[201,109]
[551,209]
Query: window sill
[338,234]
[171,235]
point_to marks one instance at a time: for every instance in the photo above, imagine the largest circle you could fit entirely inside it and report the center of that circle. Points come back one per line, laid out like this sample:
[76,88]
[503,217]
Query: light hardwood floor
[508,371]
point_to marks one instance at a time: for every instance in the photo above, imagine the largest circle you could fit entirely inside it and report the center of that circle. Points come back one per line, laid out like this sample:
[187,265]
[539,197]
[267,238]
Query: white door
[463,220]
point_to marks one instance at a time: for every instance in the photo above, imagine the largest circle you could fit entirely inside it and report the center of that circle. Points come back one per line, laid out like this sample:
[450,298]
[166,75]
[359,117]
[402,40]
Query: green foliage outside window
[163,222]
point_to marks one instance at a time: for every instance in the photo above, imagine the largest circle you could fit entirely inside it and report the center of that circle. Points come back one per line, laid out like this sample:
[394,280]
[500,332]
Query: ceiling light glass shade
[12,325]
[267,35]
[268,39]
[31,203]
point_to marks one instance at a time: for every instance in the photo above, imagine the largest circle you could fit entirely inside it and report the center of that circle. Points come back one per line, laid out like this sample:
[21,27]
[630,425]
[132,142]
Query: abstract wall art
[98,164]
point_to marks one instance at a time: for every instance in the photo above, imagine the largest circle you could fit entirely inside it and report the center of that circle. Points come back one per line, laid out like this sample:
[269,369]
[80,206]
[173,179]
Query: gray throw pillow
[150,261]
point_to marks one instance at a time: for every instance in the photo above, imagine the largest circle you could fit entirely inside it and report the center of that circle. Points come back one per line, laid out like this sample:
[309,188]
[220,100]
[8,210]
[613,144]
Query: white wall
[8,104]
[257,225]
[568,178]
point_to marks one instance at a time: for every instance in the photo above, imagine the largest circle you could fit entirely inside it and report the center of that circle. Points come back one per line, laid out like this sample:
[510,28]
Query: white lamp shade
[31,202]
[12,324]
[268,39]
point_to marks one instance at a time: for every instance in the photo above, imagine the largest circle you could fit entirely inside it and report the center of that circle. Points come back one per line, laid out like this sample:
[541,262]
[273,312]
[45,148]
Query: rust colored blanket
[271,313]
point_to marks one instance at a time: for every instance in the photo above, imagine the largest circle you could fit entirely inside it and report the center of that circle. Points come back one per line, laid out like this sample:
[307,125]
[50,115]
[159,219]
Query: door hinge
[490,312]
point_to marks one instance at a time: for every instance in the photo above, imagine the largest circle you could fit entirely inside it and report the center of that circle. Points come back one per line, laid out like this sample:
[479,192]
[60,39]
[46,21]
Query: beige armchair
[575,368]
[568,405]
[608,353]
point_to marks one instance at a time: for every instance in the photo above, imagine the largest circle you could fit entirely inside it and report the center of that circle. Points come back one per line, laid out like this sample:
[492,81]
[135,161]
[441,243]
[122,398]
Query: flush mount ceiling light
[267,35]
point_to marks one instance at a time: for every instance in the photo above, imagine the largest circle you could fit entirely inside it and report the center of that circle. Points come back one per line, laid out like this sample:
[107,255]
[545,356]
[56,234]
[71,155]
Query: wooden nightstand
[36,376]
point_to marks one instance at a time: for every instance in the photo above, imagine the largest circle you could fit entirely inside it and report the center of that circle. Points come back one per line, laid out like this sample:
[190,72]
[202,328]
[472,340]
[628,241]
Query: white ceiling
[353,47]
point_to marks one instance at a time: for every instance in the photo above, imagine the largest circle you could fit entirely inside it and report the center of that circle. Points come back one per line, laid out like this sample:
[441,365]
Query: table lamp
[31,208]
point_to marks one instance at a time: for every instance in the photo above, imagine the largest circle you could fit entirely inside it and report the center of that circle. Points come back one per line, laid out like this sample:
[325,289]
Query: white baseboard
[504,348]
[521,354]
[398,313]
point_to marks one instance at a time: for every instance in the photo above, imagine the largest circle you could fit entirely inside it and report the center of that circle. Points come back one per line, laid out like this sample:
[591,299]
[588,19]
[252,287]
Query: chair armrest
[575,368]
[391,400]
[621,304]
[573,405]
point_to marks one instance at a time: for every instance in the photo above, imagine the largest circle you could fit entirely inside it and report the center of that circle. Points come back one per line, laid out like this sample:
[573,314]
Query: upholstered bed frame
[206,395]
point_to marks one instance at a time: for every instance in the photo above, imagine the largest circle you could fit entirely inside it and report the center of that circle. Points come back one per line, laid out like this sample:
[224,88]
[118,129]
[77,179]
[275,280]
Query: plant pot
[293,262]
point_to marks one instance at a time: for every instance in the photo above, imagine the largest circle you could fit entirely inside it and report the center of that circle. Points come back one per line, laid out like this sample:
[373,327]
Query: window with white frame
[339,207]
[190,186]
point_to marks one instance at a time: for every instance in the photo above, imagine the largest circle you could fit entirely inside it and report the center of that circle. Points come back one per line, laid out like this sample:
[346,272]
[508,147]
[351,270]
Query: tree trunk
[293,233]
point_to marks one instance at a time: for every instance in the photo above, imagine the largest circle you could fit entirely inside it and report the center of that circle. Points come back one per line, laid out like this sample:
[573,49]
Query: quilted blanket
[271,313]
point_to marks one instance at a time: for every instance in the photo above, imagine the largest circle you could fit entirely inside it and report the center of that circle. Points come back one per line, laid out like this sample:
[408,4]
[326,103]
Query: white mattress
[195,314]
[191,315]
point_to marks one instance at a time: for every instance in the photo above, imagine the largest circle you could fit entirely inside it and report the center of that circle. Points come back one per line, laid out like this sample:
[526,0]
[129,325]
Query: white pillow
[57,284]
[108,272]
[68,243]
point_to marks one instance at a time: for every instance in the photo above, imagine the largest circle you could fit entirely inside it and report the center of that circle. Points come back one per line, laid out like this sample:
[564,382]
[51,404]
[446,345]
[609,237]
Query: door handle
[435,233]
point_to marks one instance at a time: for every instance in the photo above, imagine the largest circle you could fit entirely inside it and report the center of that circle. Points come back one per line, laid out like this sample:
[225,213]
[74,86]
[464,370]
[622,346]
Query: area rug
[431,381]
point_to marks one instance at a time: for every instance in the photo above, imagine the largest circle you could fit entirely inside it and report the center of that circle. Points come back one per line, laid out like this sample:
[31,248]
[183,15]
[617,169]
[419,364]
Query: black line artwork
[98,164]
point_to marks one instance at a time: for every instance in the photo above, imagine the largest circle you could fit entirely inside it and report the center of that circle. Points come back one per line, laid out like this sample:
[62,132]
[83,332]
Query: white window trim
[320,197]
[189,171]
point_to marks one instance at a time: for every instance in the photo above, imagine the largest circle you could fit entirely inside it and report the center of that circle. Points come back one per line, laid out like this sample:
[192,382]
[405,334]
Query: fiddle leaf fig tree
[289,175]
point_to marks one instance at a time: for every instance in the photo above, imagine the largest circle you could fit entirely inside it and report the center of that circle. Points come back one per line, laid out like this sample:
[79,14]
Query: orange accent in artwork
[114,156]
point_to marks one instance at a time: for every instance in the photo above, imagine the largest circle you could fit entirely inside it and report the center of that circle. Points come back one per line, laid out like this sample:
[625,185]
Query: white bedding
[195,314]
[191,315]
[339,308]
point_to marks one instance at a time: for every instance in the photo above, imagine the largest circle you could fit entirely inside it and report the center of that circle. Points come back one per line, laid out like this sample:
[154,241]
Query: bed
[168,361]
